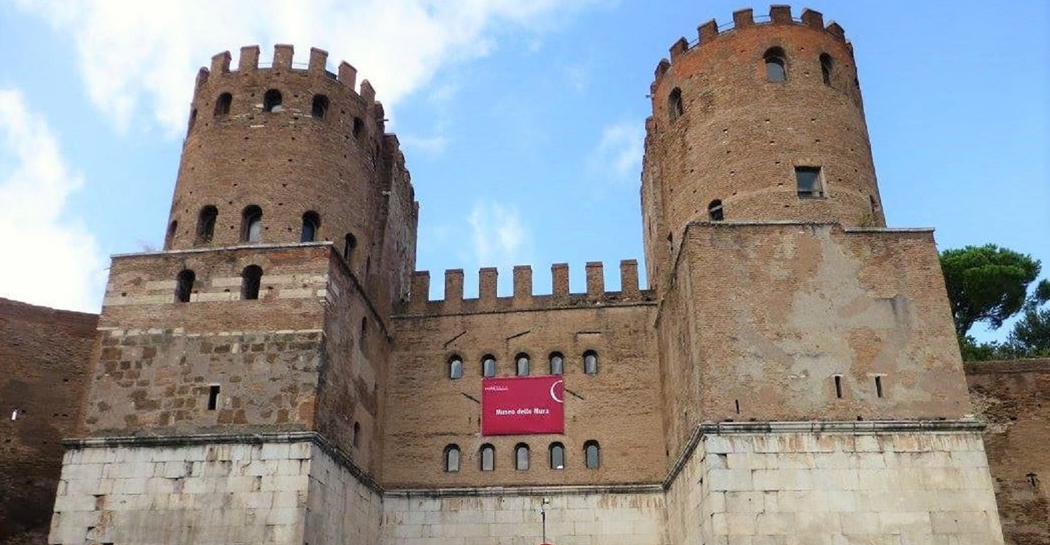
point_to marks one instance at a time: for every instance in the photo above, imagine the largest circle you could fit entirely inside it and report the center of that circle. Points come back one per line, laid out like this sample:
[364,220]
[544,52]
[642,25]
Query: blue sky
[522,122]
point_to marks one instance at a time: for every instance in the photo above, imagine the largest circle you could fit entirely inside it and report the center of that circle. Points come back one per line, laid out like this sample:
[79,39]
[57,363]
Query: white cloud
[499,237]
[619,151]
[58,263]
[430,145]
[142,56]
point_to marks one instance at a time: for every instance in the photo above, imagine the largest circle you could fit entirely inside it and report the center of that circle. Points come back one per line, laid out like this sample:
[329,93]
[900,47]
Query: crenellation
[347,75]
[318,61]
[487,285]
[707,32]
[522,284]
[282,56]
[560,281]
[220,63]
[780,14]
[595,280]
[249,59]
[679,47]
[629,279]
[743,18]
[813,18]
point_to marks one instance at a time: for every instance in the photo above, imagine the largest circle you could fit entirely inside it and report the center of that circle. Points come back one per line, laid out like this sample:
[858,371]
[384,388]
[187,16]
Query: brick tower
[239,386]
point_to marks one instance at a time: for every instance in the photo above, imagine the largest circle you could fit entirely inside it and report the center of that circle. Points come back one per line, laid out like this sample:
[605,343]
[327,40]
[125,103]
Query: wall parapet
[523,296]
[1006,367]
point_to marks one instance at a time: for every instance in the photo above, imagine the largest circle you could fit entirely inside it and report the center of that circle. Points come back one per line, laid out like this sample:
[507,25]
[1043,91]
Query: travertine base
[284,491]
[786,486]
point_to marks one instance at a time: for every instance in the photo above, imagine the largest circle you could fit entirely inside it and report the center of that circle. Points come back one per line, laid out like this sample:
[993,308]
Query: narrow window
[591,454]
[251,279]
[184,286]
[193,120]
[674,104]
[251,224]
[455,367]
[809,182]
[355,439]
[311,222]
[557,363]
[213,397]
[521,457]
[364,333]
[320,106]
[488,366]
[878,386]
[825,68]
[775,66]
[737,402]
[714,210]
[359,127]
[206,224]
[172,228]
[557,452]
[874,205]
[15,414]
[349,243]
[222,104]
[522,361]
[452,458]
[488,457]
[272,101]
[590,362]
[838,386]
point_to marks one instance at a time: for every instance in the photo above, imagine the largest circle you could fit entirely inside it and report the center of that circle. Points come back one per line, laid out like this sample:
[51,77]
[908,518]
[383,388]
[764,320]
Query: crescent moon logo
[553,395]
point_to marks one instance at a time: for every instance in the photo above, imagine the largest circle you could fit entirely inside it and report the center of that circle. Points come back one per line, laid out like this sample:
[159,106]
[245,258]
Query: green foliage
[1031,334]
[987,283]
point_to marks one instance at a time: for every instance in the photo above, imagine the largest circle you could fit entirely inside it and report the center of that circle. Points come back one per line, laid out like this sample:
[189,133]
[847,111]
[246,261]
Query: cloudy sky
[522,121]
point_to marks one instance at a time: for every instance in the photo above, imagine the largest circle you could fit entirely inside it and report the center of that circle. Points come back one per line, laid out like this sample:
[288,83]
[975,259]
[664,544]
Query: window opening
[222,104]
[714,211]
[825,68]
[488,366]
[213,397]
[874,205]
[193,120]
[878,386]
[320,106]
[590,362]
[355,439]
[184,286]
[838,386]
[272,101]
[311,221]
[522,361]
[206,224]
[251,280]
[455,367]
[557,455]
[776,70]
[251,224]
[349,243]
[15,414]
[809,182]
[591,454]
[359,127]
[674,104]
[521,457]
[364,332]
[452,458]
[557,363]
[488,457]
[737,402]
[172,228]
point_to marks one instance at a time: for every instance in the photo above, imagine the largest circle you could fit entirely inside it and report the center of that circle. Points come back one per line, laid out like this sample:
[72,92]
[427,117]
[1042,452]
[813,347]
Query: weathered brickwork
[1013,398]
[43,381]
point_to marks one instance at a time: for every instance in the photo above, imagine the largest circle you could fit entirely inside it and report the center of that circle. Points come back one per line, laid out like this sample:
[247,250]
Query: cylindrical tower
[762,122]
[281,154]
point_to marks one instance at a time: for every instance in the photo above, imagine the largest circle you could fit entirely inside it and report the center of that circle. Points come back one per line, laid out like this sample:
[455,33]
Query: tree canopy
[986,283]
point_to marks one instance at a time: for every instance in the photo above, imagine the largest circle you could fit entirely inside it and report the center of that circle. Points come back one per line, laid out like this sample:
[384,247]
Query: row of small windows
[251,227]
[809,185]
[555,456]
[523,365]
[251,281]
[273,101]
[776,71]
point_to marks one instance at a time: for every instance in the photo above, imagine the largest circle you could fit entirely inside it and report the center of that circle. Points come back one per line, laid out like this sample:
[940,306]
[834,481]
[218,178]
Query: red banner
[522,405]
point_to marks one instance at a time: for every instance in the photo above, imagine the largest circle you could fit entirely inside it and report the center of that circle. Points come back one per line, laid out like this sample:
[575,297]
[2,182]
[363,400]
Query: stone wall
[1013,398]
[584,516]
[45,359]
[834,483]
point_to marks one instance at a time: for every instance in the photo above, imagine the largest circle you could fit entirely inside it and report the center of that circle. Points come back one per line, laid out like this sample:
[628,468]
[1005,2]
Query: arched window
[320,106]
[675,109]
[487,457]
[272,101]
[184,286]
[592,454]
[172,228]
[452,458]
[206,224]
[826,65]
[776,66]
[590,362]
[455,367]
[359,127]
[557,362]
[222,104]
[522,364]
[714,211]
[349,243]
[251,279]
[311,222]
[557,455]
[355,439]
[488,366]
[251,224]
[521,457]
